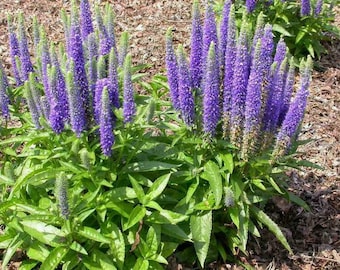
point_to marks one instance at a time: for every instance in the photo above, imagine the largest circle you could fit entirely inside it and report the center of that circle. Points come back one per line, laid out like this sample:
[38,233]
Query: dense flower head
[129,106]
[4,100]
[123,48]
[186,99]
[280,53]
[85,19]
[318,7]
[250,4]
[172,69]
[305,7]
[61,193]
[196,47]
[31,105]
[211,110]
[26,64]
[45,61]
[106,123]
[110,26]
[224,31]
[113,77]
[92,53]
[106,42]
[259,31]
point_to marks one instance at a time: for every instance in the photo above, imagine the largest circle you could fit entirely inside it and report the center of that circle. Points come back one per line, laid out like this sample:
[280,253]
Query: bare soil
[314,236]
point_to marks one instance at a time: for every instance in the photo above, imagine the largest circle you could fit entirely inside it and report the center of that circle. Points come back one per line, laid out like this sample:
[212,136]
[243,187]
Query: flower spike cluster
[75,86]
[252,94]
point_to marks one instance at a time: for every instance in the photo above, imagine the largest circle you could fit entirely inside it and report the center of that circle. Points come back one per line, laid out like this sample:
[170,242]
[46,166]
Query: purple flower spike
[318,7]
[14,52]
[186,99]
[224,31]
[92,62]
[123,48]
[280,53]
[209,34]
[45,61]
[172,70]
[106,124]
[31,105]
[295,112]
[56,116]
[288,89]
[129,106]
[230,55]
[26,64]
[305,8]
[259,31]
[250,4]
[85,19]
[110,26]
[112,92]
[105,41]
[76,107]
[101,67]
[4,100]
[240,80]
[113,77]
[196,47]
[75,52]
[60,86]
[211,110]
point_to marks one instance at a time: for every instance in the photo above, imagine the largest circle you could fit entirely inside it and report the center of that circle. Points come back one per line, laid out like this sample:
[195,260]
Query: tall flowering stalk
[230,55]
[26,64]
[61,194]
[31,104]
[4,100]
[110,26]
[76,106]
[240,80]
[129,106]
[211,109]
[106,42]
[14,52]
[186,99]
[86,25]
[172,70]
[250,4]
[318,7]
[113,77]
[196,47]
[305,8]
[295,112]
[45,61]
[106,123]
[123,48]
[224,32]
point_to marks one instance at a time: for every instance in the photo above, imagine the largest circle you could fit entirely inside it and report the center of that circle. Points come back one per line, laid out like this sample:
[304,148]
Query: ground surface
[314,236]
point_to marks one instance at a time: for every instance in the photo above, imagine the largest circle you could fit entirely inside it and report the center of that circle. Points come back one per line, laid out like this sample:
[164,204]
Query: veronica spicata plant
[304,25]
[242,132]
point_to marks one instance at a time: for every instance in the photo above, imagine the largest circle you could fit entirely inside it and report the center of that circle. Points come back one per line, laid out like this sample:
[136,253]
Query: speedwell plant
[95,176]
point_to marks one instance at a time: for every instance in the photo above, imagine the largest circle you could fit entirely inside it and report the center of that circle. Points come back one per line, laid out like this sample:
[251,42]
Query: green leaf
[263,218]
[6,180]
[28,265]
[78,248]
[148,166]
[297,200]
[157,187]
[137,188]
[105,261]
[54,258]
[191,190]
[201,227]
[136,215]
[176,232]
[153,239]
[17,241]
[275,186]
[281,30]
[212,174]
[37,251]
[92,234]
[141,264]
[121,194]
[228,161]
[117,245]
[300,36]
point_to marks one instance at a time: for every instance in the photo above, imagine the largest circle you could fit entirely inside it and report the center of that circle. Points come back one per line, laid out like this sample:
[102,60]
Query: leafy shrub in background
[304,25]
[94,176]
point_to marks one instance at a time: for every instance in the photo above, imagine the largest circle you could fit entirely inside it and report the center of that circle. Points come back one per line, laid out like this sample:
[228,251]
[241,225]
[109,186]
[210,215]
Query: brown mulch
[314,236]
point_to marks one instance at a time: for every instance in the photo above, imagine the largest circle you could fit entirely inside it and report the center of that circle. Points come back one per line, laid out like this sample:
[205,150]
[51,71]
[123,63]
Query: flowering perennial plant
[257,87]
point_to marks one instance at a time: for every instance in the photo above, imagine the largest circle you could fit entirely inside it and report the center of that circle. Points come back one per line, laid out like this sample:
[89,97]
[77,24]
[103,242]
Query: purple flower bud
[259,31]
[101,67]
[230,55]
[14,52]
[172,70]
[26,64]
[250,4]
[76,106]
[129,106]
[36,34]
[65,18]
[106,123]
[240,81]
[224,31]
[61,193]
[36,94]
[123,48]
[211,110]
[45,61]
[4,100]
[105,41]
[318,7]
[92,62]
[196,47]
[295,112]
[110,26]
[305,8]
[186,99]
[209,34]
[280,53]
[113,77]
[85,19]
